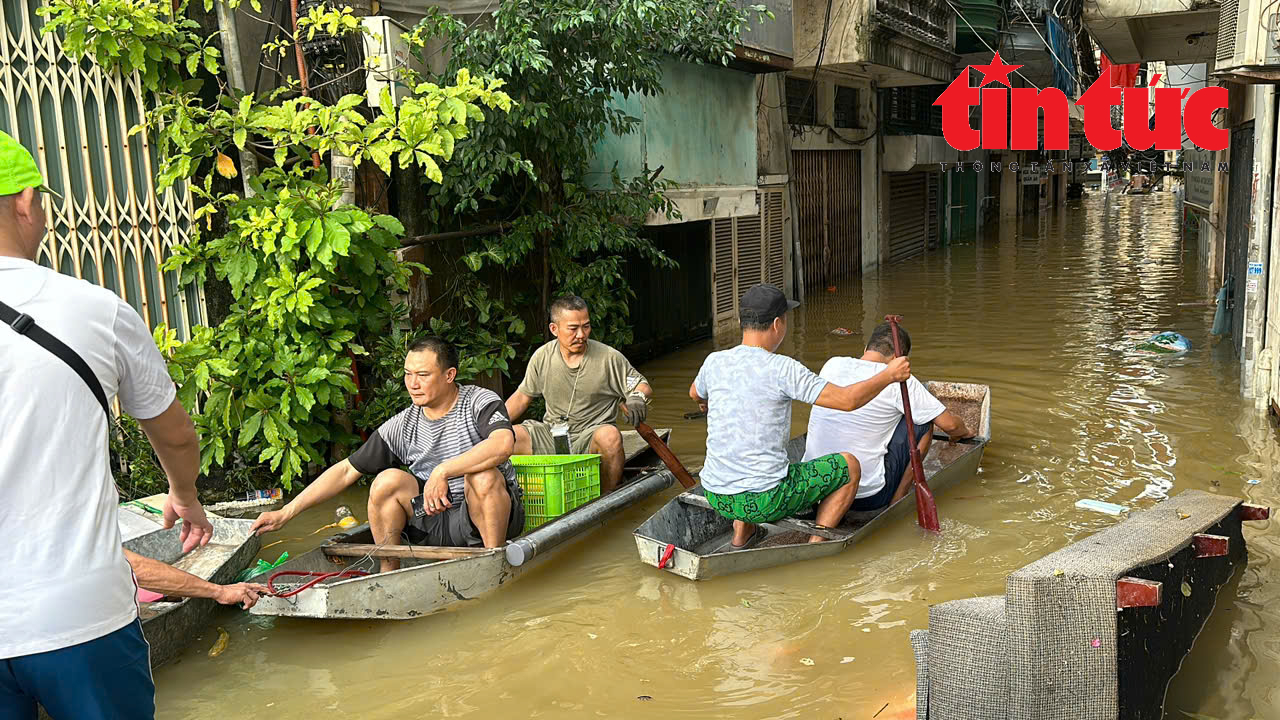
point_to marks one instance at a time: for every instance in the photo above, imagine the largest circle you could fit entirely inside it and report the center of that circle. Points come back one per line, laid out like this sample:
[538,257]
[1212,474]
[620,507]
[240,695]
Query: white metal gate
[110,227]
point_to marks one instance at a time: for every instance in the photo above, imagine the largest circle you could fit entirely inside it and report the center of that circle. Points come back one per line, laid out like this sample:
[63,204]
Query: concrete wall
[848,34]
[702,130]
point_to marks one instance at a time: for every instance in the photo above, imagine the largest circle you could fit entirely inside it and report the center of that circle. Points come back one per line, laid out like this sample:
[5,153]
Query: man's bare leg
[489,505]
[390,499]
[742,532]
[607,441]
[524,443]
[908,477]
[833,507]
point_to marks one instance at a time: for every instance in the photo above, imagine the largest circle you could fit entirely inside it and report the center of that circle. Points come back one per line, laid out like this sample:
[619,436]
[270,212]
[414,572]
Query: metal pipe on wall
[1252,359]
[235,77]
[797,261]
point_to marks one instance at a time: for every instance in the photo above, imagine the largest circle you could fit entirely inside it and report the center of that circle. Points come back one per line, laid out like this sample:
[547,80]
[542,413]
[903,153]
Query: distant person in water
[456,440]
[747,392]
[876,433]
[584,384]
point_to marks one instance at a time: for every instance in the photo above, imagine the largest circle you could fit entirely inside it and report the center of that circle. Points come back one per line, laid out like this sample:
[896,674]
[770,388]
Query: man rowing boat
[876,433]
[747,392]
[456,441]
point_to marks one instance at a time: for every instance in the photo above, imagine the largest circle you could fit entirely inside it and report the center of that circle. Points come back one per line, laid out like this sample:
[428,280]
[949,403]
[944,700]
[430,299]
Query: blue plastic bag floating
[1165,343]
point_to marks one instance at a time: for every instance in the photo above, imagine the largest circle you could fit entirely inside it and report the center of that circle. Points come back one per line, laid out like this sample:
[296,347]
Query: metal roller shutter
[828,214]
[909,219]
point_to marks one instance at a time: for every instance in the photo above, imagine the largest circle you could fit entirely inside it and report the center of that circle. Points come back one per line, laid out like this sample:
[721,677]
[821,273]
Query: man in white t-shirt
[876,433]
[747,392]
[70,638]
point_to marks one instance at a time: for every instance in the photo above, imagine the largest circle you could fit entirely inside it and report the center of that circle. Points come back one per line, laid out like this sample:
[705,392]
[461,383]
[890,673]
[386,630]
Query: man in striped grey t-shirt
[455,441]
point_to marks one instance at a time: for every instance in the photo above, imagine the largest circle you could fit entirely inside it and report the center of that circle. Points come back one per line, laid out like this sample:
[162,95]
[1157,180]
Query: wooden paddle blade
[926,509]
[668,458]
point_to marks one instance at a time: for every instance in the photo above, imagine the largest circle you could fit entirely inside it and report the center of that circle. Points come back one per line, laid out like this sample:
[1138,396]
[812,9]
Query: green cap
[18,170]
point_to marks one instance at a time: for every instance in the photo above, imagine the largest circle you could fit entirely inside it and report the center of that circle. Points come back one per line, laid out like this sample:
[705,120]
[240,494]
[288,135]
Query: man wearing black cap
[746,392]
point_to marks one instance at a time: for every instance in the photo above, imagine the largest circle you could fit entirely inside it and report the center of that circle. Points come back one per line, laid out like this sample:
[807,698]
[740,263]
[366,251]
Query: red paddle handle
[926,507]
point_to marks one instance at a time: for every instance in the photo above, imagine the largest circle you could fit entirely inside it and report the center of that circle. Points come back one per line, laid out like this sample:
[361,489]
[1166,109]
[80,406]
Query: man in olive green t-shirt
[584,383]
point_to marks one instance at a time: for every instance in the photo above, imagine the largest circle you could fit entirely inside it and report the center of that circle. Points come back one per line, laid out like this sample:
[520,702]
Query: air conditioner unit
[386,54]
[1249,41]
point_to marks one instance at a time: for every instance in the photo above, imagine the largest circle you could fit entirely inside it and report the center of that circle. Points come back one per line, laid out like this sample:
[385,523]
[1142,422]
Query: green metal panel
[963,220]
[701,130]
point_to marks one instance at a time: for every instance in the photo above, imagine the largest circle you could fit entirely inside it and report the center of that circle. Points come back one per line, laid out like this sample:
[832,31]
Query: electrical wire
[1046,42]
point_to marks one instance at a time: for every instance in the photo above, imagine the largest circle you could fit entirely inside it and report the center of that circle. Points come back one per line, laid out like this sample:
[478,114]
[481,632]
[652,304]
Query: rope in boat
[316,578]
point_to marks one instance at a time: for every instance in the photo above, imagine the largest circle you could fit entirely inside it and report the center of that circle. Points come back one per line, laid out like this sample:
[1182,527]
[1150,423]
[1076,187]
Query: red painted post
[1134,592]
[1254,512]
[1210,545]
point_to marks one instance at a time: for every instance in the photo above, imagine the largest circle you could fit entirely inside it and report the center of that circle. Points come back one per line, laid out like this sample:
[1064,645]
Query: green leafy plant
[310,278]
[569,62]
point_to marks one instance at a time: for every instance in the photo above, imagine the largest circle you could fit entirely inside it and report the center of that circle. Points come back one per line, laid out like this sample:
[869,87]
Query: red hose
[316,577]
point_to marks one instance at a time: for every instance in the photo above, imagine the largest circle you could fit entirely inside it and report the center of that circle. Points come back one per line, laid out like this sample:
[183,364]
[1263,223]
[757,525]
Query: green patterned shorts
[806,485]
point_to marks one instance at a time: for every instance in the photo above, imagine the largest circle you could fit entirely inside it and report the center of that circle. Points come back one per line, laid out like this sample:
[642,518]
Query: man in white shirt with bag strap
[70,637]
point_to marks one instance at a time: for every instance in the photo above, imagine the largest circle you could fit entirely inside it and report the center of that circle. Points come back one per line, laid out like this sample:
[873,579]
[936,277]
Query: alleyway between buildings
[1048,312]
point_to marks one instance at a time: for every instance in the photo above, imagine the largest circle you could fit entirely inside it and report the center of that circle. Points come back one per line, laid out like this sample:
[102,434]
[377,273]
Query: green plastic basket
[555,484]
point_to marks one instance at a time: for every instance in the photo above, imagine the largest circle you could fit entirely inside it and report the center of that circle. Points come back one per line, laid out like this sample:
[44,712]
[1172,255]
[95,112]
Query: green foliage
[568,61]
[134,464]
[127,36]
[306,280]
[310,277]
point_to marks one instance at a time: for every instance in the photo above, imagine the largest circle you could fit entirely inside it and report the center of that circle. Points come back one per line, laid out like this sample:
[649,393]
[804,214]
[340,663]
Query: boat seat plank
[808,526]
[805,526]
[422,552]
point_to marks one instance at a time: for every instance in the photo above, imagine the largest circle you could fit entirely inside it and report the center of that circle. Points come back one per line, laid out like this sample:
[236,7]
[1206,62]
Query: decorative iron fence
[110,227]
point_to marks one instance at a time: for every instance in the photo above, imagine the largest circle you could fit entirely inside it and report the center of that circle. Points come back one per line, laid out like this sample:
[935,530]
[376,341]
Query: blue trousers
[104,679]
[897,459]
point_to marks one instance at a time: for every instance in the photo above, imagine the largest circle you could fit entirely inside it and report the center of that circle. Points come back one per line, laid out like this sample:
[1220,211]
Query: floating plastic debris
[1102,507]
[842,331]
[1165,343]
[806,661]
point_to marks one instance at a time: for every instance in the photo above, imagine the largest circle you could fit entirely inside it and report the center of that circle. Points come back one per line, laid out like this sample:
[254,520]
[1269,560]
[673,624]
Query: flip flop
[755,538]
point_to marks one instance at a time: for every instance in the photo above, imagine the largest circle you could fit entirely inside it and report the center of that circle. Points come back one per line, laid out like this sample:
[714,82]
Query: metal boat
[170,623]
[686,536]
[430,580]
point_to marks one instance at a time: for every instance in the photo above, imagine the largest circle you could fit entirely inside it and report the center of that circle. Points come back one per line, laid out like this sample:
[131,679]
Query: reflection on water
[1046,313]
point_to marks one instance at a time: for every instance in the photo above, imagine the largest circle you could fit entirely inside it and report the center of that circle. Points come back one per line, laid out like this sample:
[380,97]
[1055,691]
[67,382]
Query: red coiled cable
[316,577]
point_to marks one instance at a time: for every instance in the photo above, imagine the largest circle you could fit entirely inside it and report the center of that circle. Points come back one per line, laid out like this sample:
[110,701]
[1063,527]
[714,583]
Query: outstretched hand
[196,530]
[269,521]
[243,594]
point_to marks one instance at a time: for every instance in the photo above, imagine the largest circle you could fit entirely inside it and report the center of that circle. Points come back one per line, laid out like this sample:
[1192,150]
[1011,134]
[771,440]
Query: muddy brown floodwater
[1046,313]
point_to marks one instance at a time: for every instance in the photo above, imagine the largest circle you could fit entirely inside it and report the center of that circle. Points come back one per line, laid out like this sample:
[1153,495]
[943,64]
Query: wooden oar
[668,458]
[926,508]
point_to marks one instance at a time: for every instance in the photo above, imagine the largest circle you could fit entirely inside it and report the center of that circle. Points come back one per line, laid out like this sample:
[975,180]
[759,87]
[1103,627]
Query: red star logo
[996,71]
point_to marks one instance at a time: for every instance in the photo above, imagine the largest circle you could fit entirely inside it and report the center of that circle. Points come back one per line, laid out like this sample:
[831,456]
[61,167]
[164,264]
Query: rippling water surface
[1046,312]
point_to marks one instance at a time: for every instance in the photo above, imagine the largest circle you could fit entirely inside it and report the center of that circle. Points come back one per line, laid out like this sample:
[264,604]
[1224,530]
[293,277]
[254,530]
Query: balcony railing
[925,20]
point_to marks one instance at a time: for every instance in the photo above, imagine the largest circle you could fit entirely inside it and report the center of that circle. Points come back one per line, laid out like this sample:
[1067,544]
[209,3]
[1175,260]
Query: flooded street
[1048,314]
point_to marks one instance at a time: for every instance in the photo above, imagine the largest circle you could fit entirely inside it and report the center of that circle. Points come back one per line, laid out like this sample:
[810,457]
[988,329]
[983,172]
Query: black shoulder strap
[24,325]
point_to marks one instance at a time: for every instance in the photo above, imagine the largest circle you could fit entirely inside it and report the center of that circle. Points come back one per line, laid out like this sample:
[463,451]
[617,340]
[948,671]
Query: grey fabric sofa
[1058,646]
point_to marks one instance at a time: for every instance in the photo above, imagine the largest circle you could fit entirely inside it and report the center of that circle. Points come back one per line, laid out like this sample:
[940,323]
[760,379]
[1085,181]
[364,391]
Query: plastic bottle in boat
[344,517]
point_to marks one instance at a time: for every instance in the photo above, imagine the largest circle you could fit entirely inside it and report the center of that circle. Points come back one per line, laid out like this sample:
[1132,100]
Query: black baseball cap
[763,303]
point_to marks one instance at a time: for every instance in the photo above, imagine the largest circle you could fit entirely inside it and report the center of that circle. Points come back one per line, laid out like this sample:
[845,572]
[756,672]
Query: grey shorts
[544,444]
[453,527]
